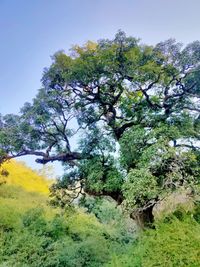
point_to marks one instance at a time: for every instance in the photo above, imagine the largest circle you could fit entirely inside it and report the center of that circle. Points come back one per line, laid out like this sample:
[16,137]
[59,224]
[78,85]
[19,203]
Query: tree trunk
[144,218]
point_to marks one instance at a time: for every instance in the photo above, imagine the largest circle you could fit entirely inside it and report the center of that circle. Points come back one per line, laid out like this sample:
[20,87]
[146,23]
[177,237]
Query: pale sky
[33,30]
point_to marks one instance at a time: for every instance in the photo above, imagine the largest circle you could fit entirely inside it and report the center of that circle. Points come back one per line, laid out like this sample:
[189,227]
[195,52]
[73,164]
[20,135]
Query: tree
[116,97]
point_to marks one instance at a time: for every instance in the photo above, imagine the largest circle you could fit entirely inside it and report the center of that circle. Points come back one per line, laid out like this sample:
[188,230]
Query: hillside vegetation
[34,234]
[174,243]
[21,175]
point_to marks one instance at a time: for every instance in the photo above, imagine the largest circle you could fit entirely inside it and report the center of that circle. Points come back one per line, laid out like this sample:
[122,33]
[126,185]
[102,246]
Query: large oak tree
[133,109]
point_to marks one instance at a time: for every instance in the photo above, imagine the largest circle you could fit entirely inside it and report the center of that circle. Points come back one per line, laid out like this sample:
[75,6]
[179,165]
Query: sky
[31,31]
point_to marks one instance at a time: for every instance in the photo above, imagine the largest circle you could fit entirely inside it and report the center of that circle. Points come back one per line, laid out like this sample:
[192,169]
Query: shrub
[173,243]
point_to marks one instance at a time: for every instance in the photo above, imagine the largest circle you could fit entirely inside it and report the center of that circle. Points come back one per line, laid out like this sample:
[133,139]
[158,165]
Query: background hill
[21,175]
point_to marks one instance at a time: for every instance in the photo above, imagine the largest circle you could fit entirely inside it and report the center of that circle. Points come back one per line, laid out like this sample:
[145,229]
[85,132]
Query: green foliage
[156,168]
[141,186]
[119,226]
[102,175]
[33,237]
[132,145]
[197,212]
[8,218]
[174,242]
[47,243]
[34,221]
[33,234]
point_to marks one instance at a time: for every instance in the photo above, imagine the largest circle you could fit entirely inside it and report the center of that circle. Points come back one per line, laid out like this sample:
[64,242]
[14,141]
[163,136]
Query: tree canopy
[133,110]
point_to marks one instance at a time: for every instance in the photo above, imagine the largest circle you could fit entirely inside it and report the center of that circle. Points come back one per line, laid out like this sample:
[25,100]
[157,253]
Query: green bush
[34,221]
[9,218]
[197,212]
[74,240]
[174,243]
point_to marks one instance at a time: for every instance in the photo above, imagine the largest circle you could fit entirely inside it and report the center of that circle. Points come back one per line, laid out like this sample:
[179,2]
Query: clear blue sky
[33,30]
